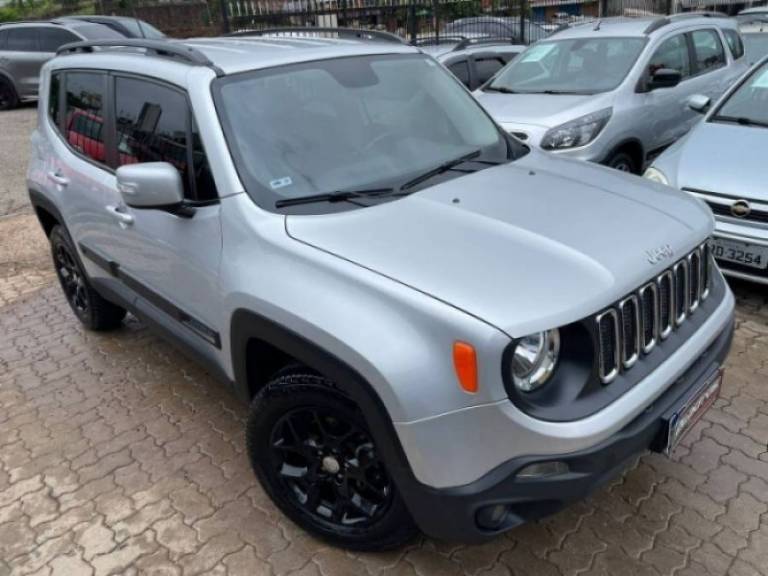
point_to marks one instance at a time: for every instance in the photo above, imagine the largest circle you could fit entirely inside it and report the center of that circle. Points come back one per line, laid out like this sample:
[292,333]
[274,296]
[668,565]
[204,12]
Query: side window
[735,43]
[153,125]
[460,69]
[708,50]
[22,39]
[487,67]
[53,99]
[3,39]
[84,115]
[51,39]
[673,54]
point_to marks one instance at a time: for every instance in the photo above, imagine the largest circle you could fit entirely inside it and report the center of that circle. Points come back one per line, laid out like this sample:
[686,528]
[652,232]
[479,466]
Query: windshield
[96,31]
[749,103]
[349,124]
[576,66]
[141,29]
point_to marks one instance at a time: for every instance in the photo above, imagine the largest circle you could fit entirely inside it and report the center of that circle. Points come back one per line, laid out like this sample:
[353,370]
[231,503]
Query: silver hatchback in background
[614,91]
[722,161]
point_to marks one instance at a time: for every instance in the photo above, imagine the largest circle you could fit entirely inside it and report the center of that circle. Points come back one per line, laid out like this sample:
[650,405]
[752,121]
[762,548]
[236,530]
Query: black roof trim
[159,48]
[308,31]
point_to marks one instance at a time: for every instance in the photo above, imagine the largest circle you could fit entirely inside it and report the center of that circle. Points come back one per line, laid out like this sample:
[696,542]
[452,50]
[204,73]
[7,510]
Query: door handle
[117,213]
[58,178]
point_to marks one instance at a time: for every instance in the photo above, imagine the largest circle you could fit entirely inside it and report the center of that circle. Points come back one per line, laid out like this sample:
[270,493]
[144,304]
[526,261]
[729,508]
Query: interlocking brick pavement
[119,455]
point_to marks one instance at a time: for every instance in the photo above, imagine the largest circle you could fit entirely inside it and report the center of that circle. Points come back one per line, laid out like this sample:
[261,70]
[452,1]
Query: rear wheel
[313,453]
[90,308]
[8,97]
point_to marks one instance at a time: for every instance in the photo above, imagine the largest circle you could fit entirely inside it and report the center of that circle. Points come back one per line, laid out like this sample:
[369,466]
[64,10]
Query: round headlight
[656,175]
[534,359]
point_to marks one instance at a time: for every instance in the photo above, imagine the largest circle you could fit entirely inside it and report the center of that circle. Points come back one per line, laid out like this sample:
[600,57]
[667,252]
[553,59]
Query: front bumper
[452,513]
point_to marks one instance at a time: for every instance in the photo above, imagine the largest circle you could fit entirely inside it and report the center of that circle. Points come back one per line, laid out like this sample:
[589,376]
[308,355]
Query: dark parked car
[128,27]
[26,46]
[496,27]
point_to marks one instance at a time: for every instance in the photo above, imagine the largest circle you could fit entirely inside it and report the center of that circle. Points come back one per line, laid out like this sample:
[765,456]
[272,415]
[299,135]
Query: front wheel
[8,98]
[623,162]
[314,455]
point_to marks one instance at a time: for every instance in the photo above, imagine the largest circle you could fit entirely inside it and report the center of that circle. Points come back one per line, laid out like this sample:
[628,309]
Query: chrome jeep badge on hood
[658,254]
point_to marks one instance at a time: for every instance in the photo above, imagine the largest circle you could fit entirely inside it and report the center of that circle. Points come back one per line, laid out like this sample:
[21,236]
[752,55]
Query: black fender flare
[247,325]
[40,201]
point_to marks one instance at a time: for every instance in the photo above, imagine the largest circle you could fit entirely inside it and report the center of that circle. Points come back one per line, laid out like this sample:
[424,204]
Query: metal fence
[520,21]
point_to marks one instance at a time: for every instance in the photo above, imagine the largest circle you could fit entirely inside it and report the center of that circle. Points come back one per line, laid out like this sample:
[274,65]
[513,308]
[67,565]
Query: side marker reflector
[465,364]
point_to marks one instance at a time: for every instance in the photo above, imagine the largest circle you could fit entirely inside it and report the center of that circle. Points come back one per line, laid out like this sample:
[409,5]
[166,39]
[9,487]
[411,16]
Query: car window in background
[96,31]
[51,39]
[756,46]
[486,67]
[84,116]
[672,54]
[580,66]
[749,103]
[460,69]
[708,50]
[734,43]
[142,29]
[23,39]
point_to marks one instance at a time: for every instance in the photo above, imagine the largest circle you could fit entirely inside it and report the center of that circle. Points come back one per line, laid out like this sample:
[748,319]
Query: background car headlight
[656,175]
[534,359]
[579,132]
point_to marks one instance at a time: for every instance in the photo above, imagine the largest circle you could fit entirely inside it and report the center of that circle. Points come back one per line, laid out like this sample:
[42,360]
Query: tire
[311,450]
[624,162]
[89,306]
[8,97]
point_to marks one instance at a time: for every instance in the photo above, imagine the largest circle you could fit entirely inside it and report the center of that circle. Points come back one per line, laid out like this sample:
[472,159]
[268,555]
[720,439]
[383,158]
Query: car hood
[742,148]
[530,245]
[543,110]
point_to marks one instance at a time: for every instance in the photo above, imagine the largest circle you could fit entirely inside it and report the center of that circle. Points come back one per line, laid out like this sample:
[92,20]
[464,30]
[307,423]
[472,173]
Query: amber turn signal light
[465,364]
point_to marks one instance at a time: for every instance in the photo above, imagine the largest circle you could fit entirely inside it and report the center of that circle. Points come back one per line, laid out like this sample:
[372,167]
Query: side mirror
[699,103]
[150,185]
[664,78]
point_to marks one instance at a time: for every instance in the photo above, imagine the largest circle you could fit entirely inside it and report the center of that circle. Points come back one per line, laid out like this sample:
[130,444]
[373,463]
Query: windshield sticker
[537,52]
[761,81]
[280,182]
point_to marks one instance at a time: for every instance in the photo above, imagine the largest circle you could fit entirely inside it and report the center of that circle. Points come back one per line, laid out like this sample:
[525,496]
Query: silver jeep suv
[614,91]
[434,325]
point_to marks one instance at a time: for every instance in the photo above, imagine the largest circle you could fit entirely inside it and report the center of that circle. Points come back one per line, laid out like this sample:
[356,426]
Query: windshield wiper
[502,89]
[338,196]
[741,120]
[565,92]
[444,167]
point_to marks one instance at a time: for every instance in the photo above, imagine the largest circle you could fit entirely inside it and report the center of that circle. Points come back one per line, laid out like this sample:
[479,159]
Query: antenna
[597,25]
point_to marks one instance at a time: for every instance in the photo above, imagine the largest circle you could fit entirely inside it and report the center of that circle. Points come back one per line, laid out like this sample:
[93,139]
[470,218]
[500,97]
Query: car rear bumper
[457,513]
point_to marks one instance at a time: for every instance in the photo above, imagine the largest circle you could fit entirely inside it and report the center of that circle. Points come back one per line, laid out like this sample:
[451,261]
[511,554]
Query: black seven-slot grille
[639,321]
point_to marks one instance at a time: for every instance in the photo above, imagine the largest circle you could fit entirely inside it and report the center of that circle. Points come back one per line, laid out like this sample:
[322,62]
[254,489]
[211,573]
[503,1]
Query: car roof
[232,55]
[443,50]
[641,26]
[758,10]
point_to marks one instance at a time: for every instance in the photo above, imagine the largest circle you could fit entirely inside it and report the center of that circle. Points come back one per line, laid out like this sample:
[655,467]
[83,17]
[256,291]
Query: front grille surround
[641,320]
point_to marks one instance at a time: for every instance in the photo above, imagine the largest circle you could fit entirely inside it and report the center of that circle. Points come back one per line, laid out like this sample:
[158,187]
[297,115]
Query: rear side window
[672,54]
[734,43]
[154,125]
[460,69]
[51,39]
[3,38]
[84,116]
[708,50]
[485,68]
[22,39]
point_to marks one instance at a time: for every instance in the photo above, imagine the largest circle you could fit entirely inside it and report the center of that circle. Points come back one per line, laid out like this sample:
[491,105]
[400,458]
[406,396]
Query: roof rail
[323,32]
[466,42]
[698,14]
[160,48]
[437,40]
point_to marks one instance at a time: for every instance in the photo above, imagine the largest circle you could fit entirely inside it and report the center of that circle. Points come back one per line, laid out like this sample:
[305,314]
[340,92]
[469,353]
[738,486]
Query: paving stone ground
[119,455]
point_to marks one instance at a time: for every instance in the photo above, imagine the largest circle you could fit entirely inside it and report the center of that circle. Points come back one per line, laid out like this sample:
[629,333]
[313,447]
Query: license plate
[681,421]
[739,252]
